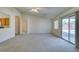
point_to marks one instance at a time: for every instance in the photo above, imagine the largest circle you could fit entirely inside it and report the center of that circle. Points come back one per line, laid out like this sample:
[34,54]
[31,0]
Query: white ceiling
[44,11]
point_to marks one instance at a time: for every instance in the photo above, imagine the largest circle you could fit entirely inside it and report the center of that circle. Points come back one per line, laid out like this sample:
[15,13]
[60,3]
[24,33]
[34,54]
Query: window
[56,24]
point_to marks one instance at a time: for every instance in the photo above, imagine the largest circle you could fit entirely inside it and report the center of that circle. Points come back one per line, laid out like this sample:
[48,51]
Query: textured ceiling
[44,11]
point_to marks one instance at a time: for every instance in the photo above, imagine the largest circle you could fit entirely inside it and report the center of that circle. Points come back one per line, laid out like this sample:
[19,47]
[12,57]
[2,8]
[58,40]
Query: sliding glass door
[72,29]
[65,28]
[68,29]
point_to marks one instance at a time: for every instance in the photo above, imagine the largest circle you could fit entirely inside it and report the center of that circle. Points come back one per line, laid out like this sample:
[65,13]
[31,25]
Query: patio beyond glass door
[65,28]
[68,29]
[72,29]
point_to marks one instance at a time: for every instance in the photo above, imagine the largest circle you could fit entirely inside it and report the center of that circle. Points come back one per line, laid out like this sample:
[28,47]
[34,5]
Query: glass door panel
[65,28]
[72,29]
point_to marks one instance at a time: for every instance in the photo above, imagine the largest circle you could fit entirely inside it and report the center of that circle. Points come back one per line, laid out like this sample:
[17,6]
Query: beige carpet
[36,43]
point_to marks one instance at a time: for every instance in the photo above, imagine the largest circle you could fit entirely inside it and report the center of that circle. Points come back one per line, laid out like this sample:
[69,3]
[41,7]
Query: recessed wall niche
[4,22]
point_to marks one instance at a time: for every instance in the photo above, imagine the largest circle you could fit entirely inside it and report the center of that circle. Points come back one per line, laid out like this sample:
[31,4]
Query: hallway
[36,43]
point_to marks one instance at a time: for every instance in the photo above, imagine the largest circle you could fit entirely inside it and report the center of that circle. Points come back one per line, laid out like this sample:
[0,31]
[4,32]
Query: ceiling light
[35,10]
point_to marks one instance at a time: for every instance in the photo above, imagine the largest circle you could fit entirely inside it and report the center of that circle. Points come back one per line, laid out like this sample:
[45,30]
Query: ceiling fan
[36,10]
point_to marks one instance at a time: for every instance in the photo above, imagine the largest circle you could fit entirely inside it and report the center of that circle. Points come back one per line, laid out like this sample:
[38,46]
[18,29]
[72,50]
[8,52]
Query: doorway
[17,25]
[25,26]
[68,29]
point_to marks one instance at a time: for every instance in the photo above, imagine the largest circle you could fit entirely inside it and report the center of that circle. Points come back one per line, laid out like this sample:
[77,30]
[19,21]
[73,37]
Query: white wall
[7,33]
[39,24]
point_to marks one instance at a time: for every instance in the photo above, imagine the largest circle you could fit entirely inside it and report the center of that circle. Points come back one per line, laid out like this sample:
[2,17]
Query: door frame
[18,25]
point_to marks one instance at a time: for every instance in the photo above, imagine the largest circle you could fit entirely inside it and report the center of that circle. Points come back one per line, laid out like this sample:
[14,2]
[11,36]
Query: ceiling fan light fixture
[36,10]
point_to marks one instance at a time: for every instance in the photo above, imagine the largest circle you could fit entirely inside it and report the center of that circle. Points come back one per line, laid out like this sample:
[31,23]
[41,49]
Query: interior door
[17,25]
[25,26]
